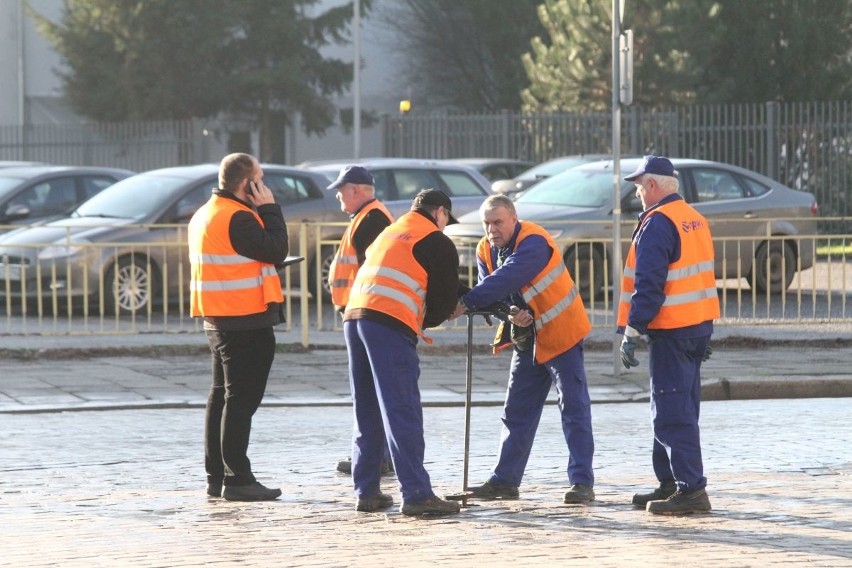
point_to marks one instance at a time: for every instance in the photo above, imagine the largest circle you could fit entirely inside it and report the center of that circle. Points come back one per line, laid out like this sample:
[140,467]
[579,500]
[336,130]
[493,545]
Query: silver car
[750,216]
[33,193]
[398,180]
[127,244]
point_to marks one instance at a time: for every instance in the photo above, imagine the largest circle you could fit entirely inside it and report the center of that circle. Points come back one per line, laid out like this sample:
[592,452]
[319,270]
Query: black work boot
[251,492]
[432,507]
[579,494]
[661,493]
[375,503]
[681,504]
[495,490]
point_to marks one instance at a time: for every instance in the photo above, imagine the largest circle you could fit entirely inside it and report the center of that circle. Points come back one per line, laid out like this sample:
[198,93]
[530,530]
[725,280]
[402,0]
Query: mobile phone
[251,188]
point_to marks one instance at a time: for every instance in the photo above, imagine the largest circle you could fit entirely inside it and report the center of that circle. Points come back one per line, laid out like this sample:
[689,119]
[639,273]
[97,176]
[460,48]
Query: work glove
[628,347]
[522,336]
[707,352]
[500,310]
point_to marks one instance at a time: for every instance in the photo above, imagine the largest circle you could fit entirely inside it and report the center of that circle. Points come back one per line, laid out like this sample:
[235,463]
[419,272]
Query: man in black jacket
[235,242]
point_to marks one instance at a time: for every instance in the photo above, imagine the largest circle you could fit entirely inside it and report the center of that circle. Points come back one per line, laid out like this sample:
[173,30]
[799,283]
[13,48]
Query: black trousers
[241,362]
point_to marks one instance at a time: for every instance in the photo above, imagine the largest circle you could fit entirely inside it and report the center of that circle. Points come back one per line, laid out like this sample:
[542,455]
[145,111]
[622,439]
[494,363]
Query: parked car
[123,239]
[743,207]
[399,179]
[495,169]
[544,170]
[30,194]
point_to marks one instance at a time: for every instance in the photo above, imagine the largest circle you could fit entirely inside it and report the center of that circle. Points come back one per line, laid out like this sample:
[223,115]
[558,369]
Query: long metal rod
[467,399]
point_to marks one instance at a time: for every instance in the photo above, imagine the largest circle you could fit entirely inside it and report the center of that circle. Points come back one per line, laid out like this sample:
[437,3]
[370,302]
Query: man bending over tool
[520,263]
[408,282]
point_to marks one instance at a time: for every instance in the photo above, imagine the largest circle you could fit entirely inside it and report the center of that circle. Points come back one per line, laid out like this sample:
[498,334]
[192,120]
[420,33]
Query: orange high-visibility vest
[391,281]
[559,316]
[690,287]
[345,265]
[223,282]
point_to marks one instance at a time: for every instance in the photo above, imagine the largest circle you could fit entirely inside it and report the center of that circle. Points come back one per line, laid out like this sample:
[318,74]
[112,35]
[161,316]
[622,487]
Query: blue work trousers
[384,369]
[529,385]
[675,365]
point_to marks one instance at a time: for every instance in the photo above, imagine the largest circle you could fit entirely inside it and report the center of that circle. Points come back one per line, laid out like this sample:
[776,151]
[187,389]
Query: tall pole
[616,173]
[356,79]
[22,93]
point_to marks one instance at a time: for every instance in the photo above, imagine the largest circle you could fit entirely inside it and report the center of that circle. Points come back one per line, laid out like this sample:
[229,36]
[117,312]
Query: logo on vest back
[688,226]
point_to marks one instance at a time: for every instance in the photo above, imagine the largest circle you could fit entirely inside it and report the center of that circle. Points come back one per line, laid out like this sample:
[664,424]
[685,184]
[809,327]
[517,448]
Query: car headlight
[63,250]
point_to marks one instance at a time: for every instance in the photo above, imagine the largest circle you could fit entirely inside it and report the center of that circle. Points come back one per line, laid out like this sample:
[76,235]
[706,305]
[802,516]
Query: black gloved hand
[499,310]
[628,347]
[707,352]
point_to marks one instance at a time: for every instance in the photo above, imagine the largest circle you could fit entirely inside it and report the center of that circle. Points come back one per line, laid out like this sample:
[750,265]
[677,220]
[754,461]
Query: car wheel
[585,264]
[131,285]
[326,256]
[774,267]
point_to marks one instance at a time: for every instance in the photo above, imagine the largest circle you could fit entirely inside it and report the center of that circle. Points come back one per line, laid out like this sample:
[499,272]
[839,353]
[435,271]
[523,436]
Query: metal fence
[50,298]
[137,146]
[806,146]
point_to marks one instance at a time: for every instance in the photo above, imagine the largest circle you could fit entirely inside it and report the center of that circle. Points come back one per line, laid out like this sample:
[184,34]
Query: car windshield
[575,188]
[7,184]
[132,198]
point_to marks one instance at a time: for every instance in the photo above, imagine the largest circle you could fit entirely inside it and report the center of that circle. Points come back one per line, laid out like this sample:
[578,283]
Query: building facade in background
[31,92]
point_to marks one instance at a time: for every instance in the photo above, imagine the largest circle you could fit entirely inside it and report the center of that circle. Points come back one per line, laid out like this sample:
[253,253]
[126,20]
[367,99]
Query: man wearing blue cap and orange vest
[368,217]
[408,282]
[236,240]
[668,295]
[521,264]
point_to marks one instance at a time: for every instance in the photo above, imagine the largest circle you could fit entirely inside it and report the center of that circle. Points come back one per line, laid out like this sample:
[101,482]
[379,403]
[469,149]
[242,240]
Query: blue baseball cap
[653,165]
[353,174]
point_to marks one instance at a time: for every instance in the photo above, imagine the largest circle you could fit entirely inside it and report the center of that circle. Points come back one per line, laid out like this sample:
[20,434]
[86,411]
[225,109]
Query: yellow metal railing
[70,286]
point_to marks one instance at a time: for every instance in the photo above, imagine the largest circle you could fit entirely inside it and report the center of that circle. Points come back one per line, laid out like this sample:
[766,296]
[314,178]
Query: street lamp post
[356,79]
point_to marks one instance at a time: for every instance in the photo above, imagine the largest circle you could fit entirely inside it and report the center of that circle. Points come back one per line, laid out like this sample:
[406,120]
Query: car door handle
[750,215]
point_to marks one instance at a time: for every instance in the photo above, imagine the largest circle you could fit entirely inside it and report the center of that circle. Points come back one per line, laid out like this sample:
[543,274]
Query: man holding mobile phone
[235,242]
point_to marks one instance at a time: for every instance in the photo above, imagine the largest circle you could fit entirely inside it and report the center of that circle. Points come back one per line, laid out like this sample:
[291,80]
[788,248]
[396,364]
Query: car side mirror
[503,186]
[16,211]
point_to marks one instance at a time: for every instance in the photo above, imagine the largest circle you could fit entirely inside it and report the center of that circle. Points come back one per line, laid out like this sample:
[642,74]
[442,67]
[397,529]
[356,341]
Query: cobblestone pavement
[319,377]
[125,488]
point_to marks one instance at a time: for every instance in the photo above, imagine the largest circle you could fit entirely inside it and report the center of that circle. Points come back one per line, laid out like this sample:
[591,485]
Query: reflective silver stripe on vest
[672,275]
[397,276]
[392,293]
[558,309]
[690,297]
[237,284]
[346,259]
[219,259]
[687,271]
[542,284]
[225,285]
